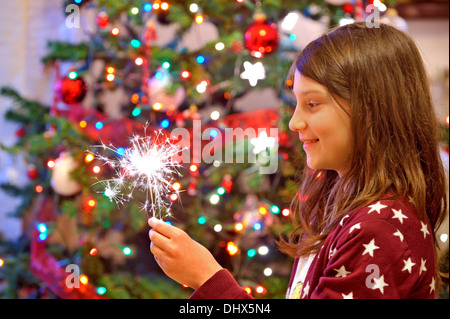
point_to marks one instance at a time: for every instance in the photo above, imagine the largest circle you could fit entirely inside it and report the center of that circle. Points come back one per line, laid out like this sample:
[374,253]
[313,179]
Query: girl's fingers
[157,252]
[162,227]
[158,239]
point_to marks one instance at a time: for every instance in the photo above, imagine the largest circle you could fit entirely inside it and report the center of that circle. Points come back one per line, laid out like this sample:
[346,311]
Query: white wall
[432,38]
[25,27]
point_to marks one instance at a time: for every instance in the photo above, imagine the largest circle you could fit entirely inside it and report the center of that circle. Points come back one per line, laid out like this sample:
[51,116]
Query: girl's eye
[312,105]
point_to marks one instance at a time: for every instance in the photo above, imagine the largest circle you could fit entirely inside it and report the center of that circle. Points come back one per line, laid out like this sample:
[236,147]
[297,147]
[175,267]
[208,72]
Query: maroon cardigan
[380,251]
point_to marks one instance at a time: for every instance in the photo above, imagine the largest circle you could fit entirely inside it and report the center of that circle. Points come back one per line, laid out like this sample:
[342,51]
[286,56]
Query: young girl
[373,194]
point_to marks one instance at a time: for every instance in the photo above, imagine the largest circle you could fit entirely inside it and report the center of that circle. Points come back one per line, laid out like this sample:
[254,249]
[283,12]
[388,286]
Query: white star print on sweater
[380,251]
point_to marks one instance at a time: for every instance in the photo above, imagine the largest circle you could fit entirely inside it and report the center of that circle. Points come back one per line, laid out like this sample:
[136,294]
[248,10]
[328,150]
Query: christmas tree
[83,237]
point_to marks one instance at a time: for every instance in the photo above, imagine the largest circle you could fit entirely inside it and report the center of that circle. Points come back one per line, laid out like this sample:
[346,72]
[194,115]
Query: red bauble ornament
[261,38]
[227,183]
[348,8]
[102,20]
[71,91]
[284,139]
[21,132]
[32,172]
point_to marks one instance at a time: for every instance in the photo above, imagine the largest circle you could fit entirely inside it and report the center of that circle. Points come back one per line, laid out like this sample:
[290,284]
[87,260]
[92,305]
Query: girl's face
[324,127]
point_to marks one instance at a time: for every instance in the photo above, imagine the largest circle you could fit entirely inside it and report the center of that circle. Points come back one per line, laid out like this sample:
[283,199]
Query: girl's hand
[179,256]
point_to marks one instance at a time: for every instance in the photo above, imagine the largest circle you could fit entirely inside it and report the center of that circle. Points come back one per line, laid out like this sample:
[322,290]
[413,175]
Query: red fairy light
[173,197]
[115,31]
[51,164]
[185,75]
[232,248]
[260,289]
[285,212]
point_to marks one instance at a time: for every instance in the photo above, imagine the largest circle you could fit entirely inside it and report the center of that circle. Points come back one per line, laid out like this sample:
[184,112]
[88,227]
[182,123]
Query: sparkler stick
[149,167]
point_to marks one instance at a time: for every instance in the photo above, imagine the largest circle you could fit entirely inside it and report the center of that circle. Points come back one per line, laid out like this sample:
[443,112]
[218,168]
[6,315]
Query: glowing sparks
[147,167]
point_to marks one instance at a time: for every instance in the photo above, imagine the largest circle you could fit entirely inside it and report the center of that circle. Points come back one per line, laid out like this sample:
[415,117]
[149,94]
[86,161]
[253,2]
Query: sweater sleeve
[371,260]
[221,285]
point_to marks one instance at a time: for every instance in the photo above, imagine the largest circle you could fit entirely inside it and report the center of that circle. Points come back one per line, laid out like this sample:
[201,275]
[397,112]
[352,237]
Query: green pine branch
[64,51]
[29,111]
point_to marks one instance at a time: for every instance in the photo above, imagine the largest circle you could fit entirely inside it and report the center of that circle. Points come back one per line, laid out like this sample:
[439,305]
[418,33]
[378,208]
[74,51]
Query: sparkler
[149,167]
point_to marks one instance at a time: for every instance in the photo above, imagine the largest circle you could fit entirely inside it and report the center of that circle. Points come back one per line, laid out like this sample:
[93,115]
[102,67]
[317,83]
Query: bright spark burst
[148,166]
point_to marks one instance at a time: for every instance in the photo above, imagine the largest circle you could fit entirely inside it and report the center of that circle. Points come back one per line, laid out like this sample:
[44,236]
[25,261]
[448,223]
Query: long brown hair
[380,72]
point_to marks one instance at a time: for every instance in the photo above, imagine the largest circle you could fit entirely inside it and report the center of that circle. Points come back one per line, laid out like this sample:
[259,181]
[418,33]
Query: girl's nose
[297,123]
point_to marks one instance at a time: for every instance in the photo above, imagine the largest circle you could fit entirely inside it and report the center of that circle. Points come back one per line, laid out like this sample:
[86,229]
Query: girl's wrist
[206,276]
